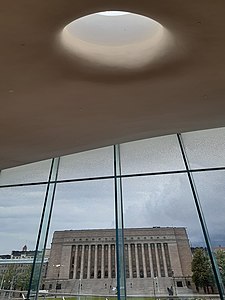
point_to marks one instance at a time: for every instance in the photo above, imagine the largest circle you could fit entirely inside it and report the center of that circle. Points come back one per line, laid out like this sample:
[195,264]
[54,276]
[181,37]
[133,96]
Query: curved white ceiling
[55,102]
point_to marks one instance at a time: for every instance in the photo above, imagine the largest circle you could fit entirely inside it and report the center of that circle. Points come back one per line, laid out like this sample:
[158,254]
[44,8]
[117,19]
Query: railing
[21,295]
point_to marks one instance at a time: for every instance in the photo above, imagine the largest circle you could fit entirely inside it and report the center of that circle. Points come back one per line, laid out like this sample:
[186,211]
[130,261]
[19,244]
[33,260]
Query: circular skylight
[113,13]
[115,38]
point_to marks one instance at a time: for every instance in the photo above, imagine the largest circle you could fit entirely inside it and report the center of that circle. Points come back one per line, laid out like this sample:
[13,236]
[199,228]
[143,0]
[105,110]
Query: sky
[164,200]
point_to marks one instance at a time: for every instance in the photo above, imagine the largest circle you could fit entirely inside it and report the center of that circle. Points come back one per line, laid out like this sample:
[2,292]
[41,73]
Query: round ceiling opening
[115,39]
[113,13]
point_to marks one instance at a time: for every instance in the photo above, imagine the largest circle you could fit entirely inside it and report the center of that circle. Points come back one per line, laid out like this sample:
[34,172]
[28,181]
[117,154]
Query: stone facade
[84,261]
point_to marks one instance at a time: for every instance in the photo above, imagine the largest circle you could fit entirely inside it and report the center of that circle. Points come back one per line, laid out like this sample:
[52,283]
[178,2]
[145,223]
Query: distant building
[5,256]
[84,261]
[20,261]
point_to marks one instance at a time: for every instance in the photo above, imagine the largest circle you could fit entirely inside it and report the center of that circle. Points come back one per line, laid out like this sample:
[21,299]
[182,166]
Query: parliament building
[84,261]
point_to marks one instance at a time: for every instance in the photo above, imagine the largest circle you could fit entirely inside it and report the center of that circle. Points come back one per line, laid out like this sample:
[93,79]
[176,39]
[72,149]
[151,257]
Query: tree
[9,277]
[220,257]
[15,279]
[23,279]
[202,271]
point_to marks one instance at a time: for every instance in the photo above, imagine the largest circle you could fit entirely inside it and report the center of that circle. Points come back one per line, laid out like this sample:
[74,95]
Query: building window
[179,284]
[58,286]
[71,275]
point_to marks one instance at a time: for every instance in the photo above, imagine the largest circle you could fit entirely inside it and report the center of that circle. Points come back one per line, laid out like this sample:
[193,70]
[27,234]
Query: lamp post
[155,286]
[79,288]
[57,268]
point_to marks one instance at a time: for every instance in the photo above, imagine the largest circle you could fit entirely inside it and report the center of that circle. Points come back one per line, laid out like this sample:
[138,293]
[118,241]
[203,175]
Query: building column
[164,261]
[109,262]
[137,261]
[157,260]
[130,261]
[82,263]
[75,263]
[150,260]
[143,259]
[89,262]
[102,262]
[95,266]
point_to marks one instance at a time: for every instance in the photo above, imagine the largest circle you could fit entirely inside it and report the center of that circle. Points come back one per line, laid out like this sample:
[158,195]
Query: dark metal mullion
[201,219]
[50,215]
[119,231]
[116,219]
[122,223]
[112,177]
[40,229]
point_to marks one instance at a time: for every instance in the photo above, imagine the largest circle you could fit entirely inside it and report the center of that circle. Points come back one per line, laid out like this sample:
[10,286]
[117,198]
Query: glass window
[20,217]
[158,207]
[81,258]
[151,155]
[94,163]
[211,187]
[205,148]
[29,173]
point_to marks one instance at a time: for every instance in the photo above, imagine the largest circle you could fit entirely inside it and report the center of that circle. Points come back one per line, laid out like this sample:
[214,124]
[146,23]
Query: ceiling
[54,102]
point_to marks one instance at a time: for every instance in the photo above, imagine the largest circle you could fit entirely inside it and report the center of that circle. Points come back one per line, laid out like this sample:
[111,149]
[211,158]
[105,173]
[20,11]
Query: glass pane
[211,186]
[83,256]
[19,216]
[205,149]
[20,210]
[94,163]
[34,172]
[162,236]
[151,155]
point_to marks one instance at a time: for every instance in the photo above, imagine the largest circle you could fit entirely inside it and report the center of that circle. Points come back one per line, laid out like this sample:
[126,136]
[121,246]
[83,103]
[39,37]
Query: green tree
[220,257]
[15,279]
[23,279]
[202,273]
[9,277]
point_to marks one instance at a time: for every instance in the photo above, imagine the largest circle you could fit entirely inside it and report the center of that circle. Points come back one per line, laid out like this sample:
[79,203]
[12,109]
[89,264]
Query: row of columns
[151,263]
[106,267]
